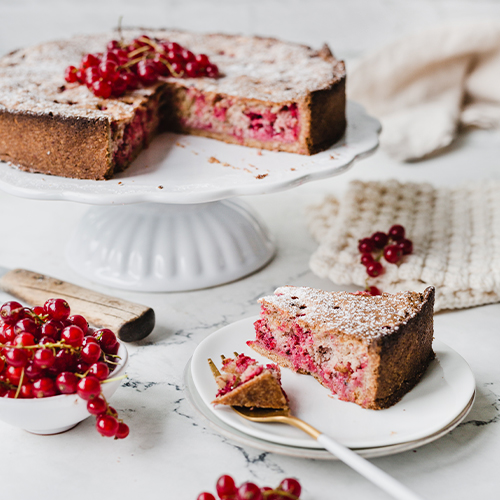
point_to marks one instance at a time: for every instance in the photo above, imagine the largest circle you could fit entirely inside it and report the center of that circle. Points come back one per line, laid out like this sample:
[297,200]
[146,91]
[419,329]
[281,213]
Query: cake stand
[170,221]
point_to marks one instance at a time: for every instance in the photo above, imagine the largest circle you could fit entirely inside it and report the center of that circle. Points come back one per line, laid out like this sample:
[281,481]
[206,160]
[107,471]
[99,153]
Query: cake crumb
[179,144]
[259,152]
[252,166]
[226,165]
[195,153]
[120,183]
[213,159]
[160,187]
[261,176]
[293,169]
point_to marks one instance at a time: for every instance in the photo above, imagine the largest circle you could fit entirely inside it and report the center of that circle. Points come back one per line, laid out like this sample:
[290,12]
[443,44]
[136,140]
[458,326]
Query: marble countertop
[172,452]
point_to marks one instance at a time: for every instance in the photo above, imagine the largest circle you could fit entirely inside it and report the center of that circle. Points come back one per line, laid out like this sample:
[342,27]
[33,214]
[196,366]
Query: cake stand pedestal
[170,221]
[161,248]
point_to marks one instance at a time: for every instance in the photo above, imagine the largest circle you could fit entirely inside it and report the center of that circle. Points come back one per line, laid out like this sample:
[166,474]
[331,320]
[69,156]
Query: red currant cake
[85,107]
[370,350]
[244,382]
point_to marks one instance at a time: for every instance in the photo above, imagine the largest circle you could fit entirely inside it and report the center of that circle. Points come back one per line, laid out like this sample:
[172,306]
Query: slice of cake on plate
[245,382]
[268,94]
[370,350]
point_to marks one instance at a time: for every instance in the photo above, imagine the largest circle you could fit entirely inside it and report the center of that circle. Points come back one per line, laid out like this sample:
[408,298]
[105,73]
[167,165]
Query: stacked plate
[433,408]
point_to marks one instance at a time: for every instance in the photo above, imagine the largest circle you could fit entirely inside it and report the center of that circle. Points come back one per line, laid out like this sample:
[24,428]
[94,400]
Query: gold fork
[349,457]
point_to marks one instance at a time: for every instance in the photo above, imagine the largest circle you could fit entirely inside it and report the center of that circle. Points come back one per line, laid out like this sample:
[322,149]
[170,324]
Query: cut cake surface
[244,382]
[370,350]
[270,95]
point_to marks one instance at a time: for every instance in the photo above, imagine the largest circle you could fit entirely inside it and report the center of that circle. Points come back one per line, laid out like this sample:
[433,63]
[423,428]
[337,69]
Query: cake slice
[269,95]
[244,382]
[370,350]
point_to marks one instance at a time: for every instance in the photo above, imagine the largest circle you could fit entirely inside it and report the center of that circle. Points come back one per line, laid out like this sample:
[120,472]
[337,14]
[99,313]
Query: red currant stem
[20,384]
[177,75]
[149,42]
[42,319]
[119,29]
[114,379]
[279,492]
[136,52]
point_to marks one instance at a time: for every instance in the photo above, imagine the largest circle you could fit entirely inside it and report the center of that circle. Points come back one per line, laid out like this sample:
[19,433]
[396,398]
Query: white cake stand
[186,233]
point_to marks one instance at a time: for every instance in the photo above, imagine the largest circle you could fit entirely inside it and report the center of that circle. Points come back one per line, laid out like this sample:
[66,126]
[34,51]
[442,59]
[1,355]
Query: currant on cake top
[141,63]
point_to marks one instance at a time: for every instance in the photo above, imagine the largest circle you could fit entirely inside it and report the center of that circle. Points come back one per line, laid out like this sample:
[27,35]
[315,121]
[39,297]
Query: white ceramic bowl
[57,413]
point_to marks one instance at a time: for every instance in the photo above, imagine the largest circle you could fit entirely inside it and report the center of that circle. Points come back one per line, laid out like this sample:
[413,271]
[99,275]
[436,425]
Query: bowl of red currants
[56,371]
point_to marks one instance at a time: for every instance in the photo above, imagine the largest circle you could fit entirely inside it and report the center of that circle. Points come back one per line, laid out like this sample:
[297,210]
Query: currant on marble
[226,488]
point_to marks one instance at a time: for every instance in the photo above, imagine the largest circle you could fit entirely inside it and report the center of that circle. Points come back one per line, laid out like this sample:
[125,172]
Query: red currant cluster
[45,351]
[392,246]
[125,67]
[226,488]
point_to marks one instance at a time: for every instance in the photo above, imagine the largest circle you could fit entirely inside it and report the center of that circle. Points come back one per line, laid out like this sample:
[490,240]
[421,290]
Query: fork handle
[367,469]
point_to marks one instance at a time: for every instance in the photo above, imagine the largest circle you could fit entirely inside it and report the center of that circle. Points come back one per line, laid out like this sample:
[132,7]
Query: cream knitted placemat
[455,233]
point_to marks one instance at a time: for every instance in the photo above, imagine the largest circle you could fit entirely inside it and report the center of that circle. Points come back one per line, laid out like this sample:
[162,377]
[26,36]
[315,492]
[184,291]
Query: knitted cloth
[455,233]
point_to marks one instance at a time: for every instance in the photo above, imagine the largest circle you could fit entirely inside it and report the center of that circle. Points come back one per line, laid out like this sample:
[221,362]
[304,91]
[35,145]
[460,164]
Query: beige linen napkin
[455,233]
[424,86]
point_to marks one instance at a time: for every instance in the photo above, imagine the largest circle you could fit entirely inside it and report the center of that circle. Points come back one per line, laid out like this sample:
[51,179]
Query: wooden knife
[128,320]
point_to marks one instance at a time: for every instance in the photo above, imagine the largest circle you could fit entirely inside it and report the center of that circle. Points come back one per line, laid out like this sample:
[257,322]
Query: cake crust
[50,126]
[368,350]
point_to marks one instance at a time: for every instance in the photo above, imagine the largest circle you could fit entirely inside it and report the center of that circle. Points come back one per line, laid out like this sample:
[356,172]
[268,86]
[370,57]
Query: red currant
[212,71]
[366,245]
[379,239]
[225,486]
[97,406]
[66,382]
[393,254]
[52,329]
[249,491]
[397,232]
[291,485]
[14,374]
[44,358]
[107,425]
[373,290]
[16,357]
[146,71]
[374,269]
[57,308]
[367,259]
[123,431]
[70,74]
[91,352]
[89,60]
[102,89]
[88,388]
[406,246]
[107,339]
[11,312]
[100,370]
[44,387]
[79,321]
[72,335]
[205,496]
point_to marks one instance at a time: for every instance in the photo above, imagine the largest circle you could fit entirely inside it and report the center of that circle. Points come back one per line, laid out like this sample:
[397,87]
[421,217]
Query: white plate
[176,169]
[440,397]
[295,451]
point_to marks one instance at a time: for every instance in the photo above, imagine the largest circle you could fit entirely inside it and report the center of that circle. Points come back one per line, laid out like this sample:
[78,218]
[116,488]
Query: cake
[269,95]
[245,382]
[370,350]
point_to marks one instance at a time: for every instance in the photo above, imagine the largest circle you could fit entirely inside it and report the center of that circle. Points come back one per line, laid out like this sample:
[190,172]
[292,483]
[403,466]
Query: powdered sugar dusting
[361,316]
[259,68]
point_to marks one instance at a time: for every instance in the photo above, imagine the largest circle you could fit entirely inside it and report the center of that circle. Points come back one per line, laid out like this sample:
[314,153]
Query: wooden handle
[129,321]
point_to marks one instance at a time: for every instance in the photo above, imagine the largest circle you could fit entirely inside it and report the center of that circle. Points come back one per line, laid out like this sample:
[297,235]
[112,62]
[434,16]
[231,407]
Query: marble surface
[172,451]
